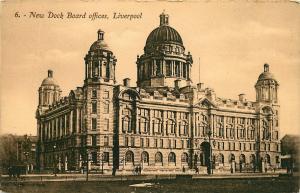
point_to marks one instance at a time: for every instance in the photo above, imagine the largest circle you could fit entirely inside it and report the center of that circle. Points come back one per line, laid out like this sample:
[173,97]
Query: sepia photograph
[166,96]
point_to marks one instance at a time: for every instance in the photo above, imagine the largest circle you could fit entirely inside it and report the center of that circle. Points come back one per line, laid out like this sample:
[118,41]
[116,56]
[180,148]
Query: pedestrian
[135,170]
[241,167]
[114,171]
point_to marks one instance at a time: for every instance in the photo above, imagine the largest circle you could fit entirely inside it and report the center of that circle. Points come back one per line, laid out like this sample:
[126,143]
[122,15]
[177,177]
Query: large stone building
[165,123]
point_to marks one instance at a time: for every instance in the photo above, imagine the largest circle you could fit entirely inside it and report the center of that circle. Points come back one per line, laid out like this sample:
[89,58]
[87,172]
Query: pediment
[204,103]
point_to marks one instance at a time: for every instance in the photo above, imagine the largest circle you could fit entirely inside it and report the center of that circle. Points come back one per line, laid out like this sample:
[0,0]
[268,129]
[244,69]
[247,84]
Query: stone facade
[165,123]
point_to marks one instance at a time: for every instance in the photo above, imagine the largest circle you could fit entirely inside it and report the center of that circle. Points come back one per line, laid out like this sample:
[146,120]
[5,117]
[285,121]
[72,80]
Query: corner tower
[164,61]
[100,62]
[49,92]
[266,87]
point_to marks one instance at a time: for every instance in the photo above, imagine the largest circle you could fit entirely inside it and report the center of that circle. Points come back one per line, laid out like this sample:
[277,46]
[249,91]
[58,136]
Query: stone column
[59,163]
[77,120]
[66,163]
[71,121]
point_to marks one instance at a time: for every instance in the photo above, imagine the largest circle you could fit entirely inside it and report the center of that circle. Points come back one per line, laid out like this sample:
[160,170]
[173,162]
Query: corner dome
[164,33]
[49,81]
[100,44]
[266,75]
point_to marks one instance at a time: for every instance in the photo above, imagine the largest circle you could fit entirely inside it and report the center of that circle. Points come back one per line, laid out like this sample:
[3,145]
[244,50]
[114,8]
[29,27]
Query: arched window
[241,132]
[143,124]
[184,158]
[158,157]
[267,110]
[221,158]
[252,158]
[250,133]
[221,130]
[202,159]
[242,158]
[129,157]
[126,124]
[170,125]
[183,128]
[157,126]
[172,157]
[145,157]
[229,131]
[267,159]
[231,158]
[266,133]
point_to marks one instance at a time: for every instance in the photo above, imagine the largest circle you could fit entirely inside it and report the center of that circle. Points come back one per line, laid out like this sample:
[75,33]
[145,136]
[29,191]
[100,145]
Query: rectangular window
[126,141]
[94,157]
[229,146]
[106,94]
[106,141]
[175,143]
[94,140]
[94,123]
[155,142]
[105,157]
[147,142]
[265,145]
[132,142]
[233,146]
[106,108]
[170,145]
[188,143]
[142,142]
[161,143]
[182,144]
[94,93]
[106,124]
[94,107]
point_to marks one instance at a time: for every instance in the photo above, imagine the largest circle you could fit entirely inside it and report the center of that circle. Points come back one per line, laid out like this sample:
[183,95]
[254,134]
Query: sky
[233,40]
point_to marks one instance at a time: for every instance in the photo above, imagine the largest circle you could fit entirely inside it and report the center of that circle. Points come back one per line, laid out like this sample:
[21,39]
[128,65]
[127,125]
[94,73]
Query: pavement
[142,177]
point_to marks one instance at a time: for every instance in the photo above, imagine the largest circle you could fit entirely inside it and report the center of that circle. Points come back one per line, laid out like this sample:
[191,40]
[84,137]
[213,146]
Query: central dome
[164,33]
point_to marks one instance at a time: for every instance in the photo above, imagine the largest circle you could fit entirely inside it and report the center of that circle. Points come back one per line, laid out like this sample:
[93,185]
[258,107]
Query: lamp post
[210,168]
[26,160]
[54,161]
[102,162]
[87,165]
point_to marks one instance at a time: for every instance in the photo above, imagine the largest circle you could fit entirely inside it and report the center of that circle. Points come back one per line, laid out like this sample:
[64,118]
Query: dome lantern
[266,68]
[164,19]
[50,74]
[100,34]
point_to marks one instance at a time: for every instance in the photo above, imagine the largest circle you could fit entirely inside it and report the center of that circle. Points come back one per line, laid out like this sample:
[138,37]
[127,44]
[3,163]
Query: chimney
[242,97]
[177,83]
[50,73]
[126,82]
[200,86]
